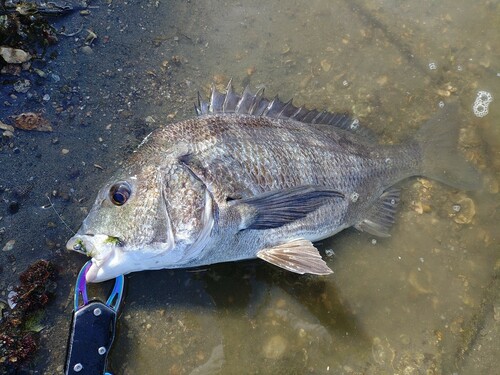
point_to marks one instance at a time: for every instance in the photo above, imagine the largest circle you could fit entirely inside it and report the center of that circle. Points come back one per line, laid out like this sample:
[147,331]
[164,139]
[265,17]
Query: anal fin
[298,256]
[381,217]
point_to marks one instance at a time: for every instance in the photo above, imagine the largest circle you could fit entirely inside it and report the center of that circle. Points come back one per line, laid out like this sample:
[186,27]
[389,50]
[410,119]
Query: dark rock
[13,207]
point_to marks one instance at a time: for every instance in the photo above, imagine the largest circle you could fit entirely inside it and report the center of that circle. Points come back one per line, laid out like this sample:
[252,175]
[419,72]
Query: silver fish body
[253,178]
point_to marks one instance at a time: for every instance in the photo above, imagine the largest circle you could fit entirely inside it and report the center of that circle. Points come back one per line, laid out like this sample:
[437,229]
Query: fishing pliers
[92,328]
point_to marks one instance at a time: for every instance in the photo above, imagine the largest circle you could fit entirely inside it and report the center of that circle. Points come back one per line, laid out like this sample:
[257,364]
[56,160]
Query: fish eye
[119,193]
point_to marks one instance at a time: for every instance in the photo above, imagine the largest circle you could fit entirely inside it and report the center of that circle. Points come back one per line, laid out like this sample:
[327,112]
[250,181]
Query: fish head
[130,226]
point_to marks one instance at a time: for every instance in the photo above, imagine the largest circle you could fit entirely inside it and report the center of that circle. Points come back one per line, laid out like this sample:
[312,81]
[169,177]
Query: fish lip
[94,246]
[92,275]
[77,243]
[101,268]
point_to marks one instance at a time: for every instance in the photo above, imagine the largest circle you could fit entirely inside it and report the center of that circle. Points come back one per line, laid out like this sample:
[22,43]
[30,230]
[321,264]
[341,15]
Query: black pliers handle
[92,328]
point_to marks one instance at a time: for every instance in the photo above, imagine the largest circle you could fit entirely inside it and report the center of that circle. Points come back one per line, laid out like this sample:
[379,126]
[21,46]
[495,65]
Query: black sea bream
[253,178]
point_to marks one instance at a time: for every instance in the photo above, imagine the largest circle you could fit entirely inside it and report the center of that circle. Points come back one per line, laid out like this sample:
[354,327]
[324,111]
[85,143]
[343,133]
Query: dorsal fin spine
[257,105]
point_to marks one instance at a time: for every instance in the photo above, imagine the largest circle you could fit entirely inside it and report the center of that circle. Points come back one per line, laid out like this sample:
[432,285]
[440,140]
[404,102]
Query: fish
[251,177]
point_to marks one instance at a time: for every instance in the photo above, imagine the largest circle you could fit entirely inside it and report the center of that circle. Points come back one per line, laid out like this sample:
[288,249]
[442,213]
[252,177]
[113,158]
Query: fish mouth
[79,244]
[102,249]
[90,244]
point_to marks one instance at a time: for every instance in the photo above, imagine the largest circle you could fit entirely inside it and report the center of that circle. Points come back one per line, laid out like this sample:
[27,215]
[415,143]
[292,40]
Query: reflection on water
[413,303]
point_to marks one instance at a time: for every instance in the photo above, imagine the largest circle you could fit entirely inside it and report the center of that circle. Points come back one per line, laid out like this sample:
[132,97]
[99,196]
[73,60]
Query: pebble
[9,245]
[64,151]
[6,127]
[14,55]
[466,212]
[22,86]
[496,313]
[40,73]
[10,299]
[32,121]
[405,339]
[150,120]
[382,80]
[8,134]
[325,65]
[275,347]
[87,50]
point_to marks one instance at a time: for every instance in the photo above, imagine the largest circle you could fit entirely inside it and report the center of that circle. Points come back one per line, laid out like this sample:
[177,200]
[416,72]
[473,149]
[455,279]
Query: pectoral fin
[299,256]
[382,215]
[277,208]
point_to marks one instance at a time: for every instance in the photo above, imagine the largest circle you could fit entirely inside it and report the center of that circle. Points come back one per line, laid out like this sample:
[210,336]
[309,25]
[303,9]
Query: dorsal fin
[256,104]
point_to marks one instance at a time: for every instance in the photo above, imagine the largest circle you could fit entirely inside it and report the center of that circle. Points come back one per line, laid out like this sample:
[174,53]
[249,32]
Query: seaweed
[19,337]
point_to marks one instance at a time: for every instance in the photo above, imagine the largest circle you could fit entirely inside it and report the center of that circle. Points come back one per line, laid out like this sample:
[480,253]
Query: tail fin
[442,161]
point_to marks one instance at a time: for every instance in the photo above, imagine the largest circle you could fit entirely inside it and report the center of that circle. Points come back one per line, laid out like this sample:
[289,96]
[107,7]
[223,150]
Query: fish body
[253,178]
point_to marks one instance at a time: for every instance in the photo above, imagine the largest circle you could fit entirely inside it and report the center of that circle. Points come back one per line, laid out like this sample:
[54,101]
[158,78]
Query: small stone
[22,86]
[40,73]
[14,55]
[275,347]
[10,299]
[12,69]
[6,127]
[87,50]
[32,121]
[466,212]
[496,313]
[9,245]
[325,65]
[420,207]
[382,80]
[405,339]
[443,93]
[64,151]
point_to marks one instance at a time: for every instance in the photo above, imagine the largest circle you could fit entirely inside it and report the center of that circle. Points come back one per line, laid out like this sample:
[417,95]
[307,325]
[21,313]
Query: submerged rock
[275,347]
[32,121]
[465,210]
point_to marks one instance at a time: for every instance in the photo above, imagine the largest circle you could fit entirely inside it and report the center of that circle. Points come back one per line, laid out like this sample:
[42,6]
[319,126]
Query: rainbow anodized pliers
[92,328]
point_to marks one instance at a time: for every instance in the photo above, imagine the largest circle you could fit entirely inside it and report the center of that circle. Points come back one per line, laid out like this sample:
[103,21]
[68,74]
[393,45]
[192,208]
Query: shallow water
[422,301]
